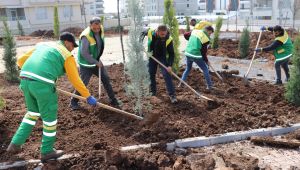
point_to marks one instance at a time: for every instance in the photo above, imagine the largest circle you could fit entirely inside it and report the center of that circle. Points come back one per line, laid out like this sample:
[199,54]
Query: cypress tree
[170,20]
[20,28]
[215,41]
[187,21]
[11,71]
[137,65]
[56,23]
[244,43]
[292,88]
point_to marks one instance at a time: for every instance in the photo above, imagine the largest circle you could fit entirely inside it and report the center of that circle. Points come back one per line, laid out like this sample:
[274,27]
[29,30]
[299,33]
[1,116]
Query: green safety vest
[46,63]
[88,33]
[151,33]
[286,50]
[197,38]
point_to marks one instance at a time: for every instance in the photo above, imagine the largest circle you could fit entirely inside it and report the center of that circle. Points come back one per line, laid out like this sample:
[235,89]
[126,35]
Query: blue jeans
[285,65]
[168,79]
[201,63]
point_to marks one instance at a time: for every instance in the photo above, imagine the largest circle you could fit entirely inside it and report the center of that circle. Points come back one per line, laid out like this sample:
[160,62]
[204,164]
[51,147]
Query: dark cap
[278,28]
[193,20]
[67,36]
[209,28]
[95,20]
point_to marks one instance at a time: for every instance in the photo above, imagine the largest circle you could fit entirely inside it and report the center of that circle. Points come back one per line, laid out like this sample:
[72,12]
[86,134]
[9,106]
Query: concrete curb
[218,139]
[231,137]
[6,165]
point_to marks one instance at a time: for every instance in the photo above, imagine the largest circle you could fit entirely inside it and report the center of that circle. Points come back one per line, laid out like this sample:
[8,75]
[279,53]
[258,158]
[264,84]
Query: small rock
[225,66]
[178,165]
[163,160]
[112,168]
[180,151]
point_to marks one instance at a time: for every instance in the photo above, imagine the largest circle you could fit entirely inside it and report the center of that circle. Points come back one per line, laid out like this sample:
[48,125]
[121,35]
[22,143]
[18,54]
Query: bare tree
[294,9]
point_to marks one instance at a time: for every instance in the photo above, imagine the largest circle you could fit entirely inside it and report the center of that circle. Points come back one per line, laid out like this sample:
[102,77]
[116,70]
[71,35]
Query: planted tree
[215,41]
[187,21]
[244,43]
[102,19]
[1,102]
[136,66]
[11,69]
[56,23]
[292,88]
[20,28]
[170,20]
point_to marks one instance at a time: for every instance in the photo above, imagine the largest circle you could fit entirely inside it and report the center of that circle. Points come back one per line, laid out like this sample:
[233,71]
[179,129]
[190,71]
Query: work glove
[263,28]
[91,101]
[258,50]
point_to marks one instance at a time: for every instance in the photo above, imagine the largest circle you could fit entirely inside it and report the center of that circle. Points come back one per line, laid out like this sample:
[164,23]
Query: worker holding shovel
[283,49]
[91,46]
[160,44]
[40,68]
[196,51]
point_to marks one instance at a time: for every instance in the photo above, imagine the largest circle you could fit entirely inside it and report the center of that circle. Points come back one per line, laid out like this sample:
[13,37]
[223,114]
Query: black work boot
[13,148]
[52,155]
[278,82]
[115,103]
[173,99]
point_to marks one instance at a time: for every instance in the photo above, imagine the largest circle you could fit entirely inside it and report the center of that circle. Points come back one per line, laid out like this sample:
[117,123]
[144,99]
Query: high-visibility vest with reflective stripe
[202,24]
[197,38]
[46,63]
[93,49]
[284,51]
[151,33]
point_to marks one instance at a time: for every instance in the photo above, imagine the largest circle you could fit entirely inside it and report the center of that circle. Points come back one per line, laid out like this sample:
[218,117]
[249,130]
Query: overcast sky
[110,6]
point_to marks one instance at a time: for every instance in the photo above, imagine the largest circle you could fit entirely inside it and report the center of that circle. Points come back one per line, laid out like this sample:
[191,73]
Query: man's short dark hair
[278,28]
[95,19]
[162,28]
[209,28]
[194,20]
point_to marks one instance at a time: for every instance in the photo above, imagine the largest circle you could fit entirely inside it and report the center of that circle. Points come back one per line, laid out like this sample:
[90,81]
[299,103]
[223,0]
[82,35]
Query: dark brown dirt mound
[94,129]
[74,30]
[229,47]
[43,33]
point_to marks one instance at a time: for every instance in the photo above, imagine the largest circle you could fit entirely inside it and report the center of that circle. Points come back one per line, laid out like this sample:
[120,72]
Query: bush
[170,20]
[244,43]
[215,41]
[11,69]
[292,88]
[56,23]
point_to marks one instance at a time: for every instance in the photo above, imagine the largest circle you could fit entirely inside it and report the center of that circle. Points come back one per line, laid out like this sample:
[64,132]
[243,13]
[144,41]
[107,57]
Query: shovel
[100,83]
[219,76]
[246,82]
[211,102]
[148,120]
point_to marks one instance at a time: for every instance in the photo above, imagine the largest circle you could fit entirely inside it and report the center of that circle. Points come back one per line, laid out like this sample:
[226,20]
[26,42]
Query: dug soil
[229,47]
[92,132]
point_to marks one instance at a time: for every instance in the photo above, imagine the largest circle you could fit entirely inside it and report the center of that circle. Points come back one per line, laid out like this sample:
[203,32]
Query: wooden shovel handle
[197,93]
[102,105]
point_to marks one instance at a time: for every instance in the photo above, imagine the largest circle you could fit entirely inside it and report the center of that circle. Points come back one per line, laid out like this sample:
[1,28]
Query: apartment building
[39,14]
[182,7]
[94,7]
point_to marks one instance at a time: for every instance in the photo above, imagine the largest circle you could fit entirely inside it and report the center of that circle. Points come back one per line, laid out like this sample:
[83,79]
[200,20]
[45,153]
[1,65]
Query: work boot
[278,82]
[75,105]
[115,103]
[13,148]
[173,99]
[52,155]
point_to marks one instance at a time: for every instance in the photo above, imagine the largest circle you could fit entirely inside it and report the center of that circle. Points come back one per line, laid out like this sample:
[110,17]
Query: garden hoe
[219,76]
[100,83]
[210,102]
[148,120]
[246,82]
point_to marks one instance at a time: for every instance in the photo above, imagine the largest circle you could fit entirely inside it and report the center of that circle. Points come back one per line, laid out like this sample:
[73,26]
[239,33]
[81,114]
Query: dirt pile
[43,33]
[91,131]
[229,47]
[74,30]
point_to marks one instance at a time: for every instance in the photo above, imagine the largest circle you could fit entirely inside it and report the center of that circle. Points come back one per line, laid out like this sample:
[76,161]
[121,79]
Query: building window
[41,13]
[68,11]
[13,14]
[187,5]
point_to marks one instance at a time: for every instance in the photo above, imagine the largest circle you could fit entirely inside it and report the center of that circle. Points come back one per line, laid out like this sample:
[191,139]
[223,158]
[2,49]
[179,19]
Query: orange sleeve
[73,76]
[21,59]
